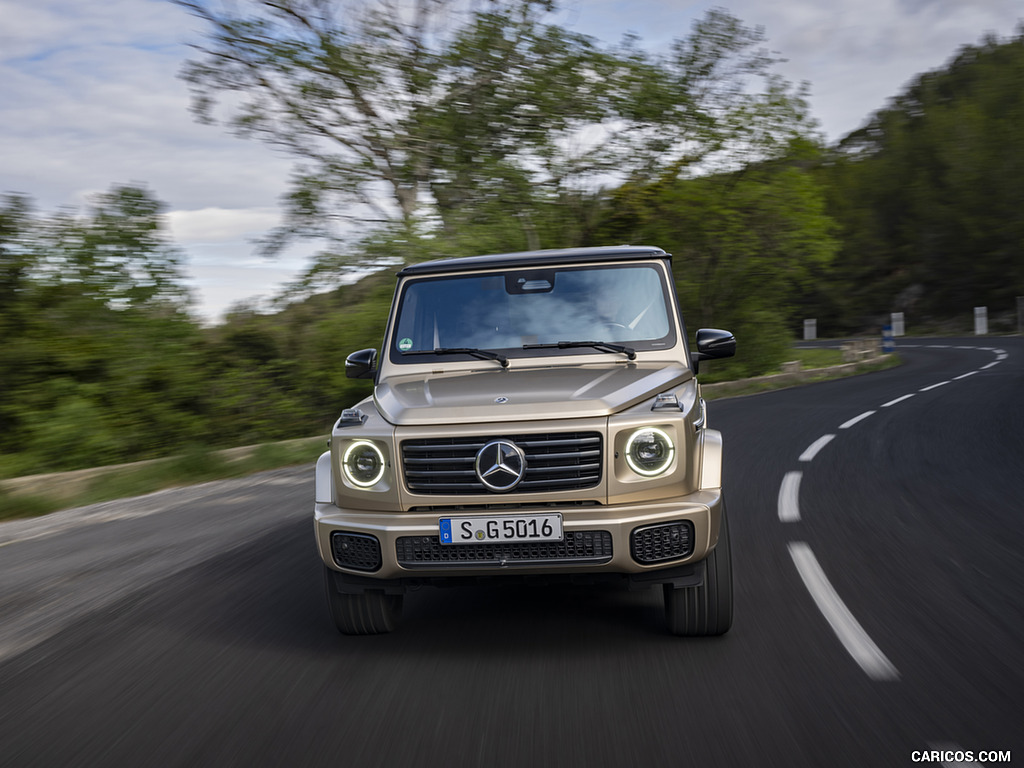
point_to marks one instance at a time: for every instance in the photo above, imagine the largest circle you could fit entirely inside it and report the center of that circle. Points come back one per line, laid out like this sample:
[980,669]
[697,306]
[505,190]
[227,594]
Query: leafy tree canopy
[438,112]
[745,246]
[930,193]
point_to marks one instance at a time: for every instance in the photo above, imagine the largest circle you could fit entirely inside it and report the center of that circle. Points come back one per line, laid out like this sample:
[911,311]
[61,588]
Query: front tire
[705,610]
[368,613]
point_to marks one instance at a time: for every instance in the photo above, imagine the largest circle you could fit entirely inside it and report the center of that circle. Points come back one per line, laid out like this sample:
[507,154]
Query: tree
[118,253]
[15,255]
[428,113]
[929,194]
[97,349]
[744,244]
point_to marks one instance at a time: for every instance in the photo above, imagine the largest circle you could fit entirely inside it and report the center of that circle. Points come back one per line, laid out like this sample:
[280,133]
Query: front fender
[711,459]
[324,482]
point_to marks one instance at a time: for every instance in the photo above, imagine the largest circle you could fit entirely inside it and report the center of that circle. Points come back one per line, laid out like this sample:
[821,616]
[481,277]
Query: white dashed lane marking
[850,633]
[815,447]
[897,400]
[789,498]
[856,420]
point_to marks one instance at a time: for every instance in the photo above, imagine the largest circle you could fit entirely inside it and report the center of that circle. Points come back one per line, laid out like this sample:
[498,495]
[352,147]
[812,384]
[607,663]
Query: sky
[90,98]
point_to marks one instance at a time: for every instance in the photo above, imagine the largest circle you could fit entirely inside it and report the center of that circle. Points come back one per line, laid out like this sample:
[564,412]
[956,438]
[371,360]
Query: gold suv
[534,415]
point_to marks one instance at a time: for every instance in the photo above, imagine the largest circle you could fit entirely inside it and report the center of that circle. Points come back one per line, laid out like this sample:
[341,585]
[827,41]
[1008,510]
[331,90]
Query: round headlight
[363,463]
[649,451]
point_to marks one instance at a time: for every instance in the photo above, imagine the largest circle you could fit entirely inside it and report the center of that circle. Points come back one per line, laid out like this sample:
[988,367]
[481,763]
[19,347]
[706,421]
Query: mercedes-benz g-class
[534,415]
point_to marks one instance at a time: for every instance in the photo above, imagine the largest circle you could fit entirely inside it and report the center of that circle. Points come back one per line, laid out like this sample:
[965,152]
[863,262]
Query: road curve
[187,627]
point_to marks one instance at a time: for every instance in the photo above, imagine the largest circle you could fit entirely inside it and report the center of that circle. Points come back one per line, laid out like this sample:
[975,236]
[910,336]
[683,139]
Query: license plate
[488,530]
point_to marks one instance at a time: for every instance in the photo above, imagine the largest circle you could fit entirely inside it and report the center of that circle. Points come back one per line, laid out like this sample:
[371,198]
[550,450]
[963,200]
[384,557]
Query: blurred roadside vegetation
[715,157]
[196,464]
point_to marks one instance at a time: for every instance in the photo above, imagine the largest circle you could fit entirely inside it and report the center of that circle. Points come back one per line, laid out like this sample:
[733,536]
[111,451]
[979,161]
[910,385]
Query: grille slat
[577,547]
[413,460]
[554,461]
[563,456]
[579,469]
[548,483]
[441,473]
[570,443]
[441,444]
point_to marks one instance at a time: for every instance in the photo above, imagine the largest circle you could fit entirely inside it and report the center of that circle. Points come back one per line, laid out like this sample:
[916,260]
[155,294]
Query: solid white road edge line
[789,498]
[850,633]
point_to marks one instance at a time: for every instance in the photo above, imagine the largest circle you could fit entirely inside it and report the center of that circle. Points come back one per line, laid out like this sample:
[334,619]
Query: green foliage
[929,195]
[743,244]
[197,464]
[14,506]
[763,342]
[94,317]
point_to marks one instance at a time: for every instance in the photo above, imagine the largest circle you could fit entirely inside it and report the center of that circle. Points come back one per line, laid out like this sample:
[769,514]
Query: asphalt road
[880,585]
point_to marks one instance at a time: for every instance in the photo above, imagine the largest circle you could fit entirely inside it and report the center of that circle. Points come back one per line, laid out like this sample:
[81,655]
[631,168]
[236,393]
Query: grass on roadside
[715,372]
[196,465]
[14,506]
[755,386]
[817,358]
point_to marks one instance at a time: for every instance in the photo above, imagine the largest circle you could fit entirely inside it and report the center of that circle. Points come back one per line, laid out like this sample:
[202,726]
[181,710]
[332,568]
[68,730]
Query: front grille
[657,543]
[357,551]
[576,547]
[563,461]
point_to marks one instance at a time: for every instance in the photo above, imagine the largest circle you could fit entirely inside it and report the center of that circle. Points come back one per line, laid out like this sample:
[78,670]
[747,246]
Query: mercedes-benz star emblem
[500,465]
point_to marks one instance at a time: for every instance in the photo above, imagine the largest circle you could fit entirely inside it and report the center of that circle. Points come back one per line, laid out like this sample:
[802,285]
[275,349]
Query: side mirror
[361,364]
[712,344]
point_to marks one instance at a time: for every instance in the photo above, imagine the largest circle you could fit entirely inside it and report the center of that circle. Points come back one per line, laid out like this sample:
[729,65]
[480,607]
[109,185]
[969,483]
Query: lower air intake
[577,547]
[357,551]
[658,543]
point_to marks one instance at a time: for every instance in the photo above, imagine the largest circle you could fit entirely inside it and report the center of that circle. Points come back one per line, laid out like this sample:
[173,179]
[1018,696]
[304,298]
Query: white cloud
[218,287]
[856,54]
[220,224]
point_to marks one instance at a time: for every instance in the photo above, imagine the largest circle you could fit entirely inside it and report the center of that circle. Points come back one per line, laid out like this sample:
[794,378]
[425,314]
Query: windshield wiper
[604,346]
[482,354]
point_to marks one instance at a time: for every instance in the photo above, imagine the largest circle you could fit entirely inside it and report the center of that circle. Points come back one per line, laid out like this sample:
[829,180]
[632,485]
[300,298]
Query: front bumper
[598,539]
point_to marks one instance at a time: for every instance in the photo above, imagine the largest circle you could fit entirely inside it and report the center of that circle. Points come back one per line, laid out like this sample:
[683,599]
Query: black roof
[537,259]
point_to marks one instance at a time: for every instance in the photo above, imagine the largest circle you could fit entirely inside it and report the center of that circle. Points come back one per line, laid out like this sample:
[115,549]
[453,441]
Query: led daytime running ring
[667,459]
[349,475]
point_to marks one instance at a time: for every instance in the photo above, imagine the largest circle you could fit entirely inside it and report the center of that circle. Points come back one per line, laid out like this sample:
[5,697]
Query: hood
[523,394]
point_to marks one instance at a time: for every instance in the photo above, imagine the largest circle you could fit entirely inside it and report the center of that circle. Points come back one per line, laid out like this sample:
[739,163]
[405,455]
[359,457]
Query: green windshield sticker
[405,345]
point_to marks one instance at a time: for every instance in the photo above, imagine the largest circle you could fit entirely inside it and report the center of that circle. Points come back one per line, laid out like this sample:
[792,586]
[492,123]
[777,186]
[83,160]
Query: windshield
[513,309]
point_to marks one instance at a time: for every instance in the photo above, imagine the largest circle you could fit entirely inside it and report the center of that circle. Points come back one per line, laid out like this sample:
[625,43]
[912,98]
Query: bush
[762,344]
